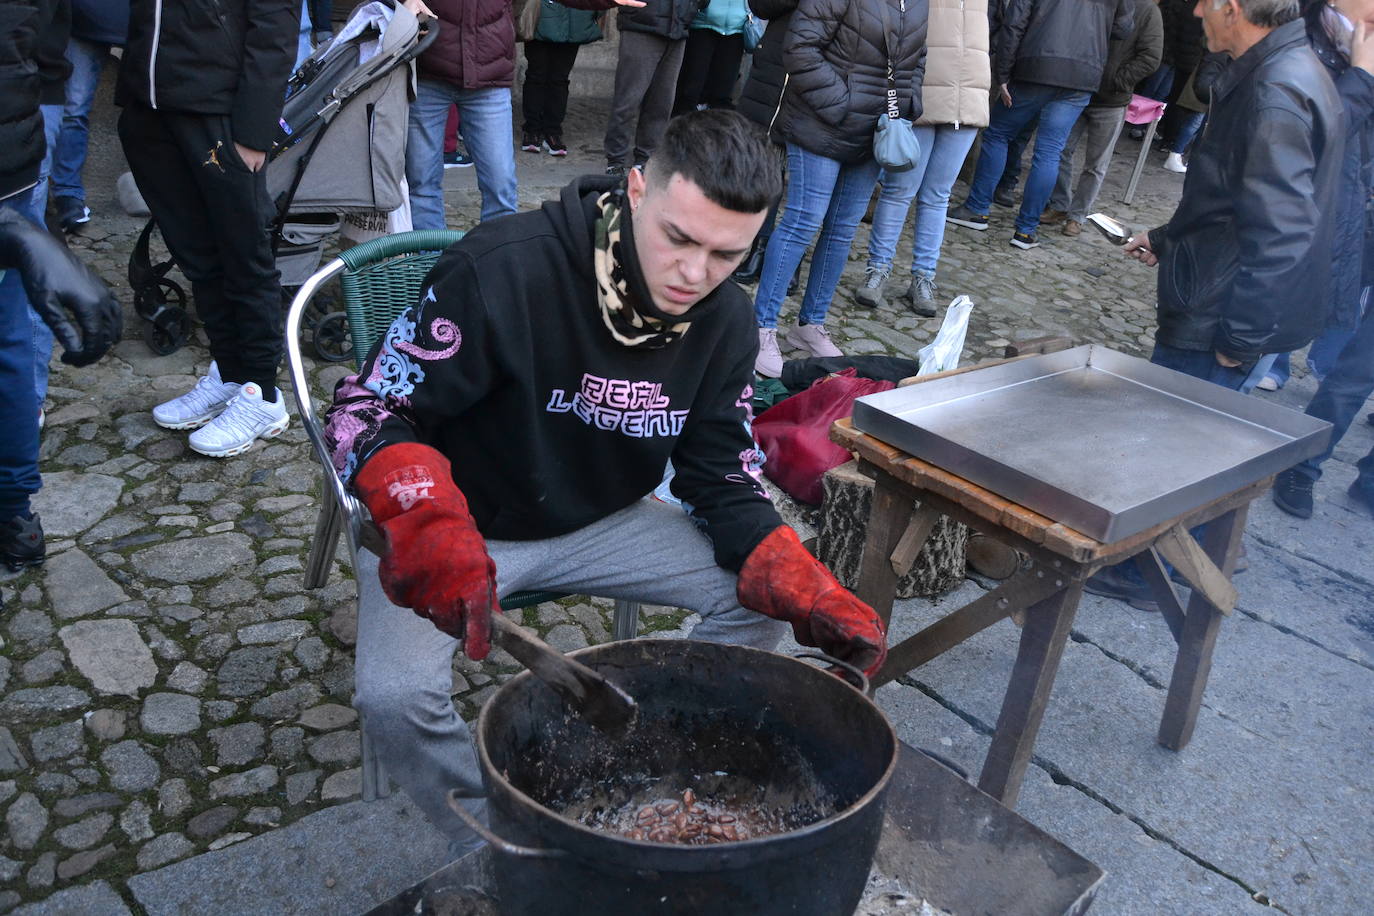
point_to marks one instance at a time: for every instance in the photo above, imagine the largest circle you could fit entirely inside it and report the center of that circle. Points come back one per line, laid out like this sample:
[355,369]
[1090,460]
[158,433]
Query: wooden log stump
[939,567]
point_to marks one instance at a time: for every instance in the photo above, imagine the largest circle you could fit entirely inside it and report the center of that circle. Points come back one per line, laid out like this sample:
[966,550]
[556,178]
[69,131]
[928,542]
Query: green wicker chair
[379,280]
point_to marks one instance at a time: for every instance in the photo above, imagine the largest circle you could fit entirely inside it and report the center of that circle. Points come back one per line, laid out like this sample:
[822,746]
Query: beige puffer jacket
[958,69]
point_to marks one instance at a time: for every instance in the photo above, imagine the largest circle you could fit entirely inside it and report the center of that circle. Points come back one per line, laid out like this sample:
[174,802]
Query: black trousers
[545,96]
[710,70]
[215,216]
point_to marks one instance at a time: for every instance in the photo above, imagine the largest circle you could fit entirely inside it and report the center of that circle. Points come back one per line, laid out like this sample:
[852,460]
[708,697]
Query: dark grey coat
[836,64]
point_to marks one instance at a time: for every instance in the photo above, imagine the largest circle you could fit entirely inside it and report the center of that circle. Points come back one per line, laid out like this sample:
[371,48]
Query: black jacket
[836,66]
[21,124]
[1184,43]
[1132,59]
[1061,43]
[758,100]
[1245,261]
[667,18]
[212,57]
[507,368]
[1352,250]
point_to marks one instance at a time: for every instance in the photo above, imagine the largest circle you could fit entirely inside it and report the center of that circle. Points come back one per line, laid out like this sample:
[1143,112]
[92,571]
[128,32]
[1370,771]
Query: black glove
[61,290]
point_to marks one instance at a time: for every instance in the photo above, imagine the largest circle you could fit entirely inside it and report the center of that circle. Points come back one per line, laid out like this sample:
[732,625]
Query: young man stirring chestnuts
[507,432]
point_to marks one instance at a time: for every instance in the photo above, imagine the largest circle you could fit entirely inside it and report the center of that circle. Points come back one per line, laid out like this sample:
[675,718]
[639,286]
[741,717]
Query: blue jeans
[19,406]
[69,155]
[36,210]
[822,194]
[943,150]
[1203,364]
[485,123]
[1192,123]
[1158,84]
[1057,110]
[1340,398]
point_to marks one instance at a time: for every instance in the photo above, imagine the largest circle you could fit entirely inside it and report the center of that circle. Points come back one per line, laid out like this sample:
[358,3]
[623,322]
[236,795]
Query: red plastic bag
[795,433]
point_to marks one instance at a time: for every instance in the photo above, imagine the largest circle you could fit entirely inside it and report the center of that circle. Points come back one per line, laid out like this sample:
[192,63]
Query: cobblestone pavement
[168,687]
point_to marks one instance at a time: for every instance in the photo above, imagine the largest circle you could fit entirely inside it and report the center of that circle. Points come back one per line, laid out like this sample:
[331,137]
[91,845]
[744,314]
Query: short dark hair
[725,154]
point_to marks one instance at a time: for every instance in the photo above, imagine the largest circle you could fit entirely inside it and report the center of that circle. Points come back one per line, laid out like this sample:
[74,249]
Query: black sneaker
[72,213]
[1004,196]
[1293,493]
[457,160]
[1111,582]
[963,216]
[615,171]
[1025,241]
[531,142]
[555,145]
[21,542]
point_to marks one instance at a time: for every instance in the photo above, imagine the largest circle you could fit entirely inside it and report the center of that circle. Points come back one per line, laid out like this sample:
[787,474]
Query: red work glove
[782,580]
[436,562]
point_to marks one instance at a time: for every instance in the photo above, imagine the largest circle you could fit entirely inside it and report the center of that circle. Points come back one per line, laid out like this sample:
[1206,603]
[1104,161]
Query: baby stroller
[341,149]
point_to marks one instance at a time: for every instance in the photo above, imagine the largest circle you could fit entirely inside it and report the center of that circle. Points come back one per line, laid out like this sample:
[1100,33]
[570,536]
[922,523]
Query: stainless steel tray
[1105,443]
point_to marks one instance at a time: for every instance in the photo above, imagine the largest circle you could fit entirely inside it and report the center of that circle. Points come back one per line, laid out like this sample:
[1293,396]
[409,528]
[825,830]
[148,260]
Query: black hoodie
[506,367]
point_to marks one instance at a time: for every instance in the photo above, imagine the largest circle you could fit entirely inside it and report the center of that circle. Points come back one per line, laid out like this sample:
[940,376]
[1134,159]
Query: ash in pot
[682,780]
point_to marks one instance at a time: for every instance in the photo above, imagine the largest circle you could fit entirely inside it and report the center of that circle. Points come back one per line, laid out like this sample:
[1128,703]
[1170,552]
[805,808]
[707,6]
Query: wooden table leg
[1193,664]
[887,519]
[1037,661]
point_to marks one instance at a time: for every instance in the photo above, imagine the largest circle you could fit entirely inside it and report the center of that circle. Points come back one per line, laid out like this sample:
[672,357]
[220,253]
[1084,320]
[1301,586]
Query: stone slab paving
[174,718]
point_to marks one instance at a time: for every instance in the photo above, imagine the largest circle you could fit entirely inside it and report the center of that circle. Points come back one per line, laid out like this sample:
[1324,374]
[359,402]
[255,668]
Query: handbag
[753,32]
[795,433]
[894,140]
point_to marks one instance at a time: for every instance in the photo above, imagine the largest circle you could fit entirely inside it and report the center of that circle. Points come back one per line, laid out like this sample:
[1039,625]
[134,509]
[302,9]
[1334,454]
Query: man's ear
[635,186]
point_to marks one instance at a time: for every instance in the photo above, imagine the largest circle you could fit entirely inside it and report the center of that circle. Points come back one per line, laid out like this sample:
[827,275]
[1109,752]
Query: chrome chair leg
[626,619]
[376,784]
[328,527]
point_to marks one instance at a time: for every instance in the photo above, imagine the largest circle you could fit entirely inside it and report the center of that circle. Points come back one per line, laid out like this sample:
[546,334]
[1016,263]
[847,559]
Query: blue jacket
[1352,249]
[723,16]
[567,26]
[104,22]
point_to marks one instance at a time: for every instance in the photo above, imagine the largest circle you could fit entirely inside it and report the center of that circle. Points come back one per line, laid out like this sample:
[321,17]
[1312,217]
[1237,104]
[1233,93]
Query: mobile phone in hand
[1116,232]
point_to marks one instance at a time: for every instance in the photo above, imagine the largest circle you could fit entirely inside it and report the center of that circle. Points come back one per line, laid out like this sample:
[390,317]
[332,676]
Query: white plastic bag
[943,353]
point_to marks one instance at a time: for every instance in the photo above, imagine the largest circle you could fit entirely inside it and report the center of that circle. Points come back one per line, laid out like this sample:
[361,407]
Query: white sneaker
[814,339]
[1174,163]
[247,419]
[769,361]
[198,406]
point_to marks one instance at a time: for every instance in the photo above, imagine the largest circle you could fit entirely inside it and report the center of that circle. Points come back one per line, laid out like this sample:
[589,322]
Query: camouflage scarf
[627,308]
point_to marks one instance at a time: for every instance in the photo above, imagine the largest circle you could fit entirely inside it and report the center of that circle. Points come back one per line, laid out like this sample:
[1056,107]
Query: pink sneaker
[814,339]
[769,361]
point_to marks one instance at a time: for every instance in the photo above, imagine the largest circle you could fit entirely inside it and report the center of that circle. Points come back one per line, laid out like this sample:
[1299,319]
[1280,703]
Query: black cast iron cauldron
[804,736]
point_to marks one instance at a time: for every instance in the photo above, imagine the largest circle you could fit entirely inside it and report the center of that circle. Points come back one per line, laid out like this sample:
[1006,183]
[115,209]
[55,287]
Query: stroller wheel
[332,340]
[152,296]
[167,330]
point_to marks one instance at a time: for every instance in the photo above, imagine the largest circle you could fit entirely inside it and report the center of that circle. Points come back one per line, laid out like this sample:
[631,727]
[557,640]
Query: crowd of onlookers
[1268,251]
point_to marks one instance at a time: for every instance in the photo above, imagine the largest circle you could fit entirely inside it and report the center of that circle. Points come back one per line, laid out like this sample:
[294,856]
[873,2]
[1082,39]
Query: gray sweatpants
[1098,127]
[642,101]
[649,552]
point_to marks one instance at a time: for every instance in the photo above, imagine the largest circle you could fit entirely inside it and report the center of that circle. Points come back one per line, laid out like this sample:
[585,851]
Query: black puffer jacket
[1245,261]
[212,57]
[1184,43]
[758,100]
[836,66]
[21,124]
[1061,43]
[1352,251]
[668,18]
